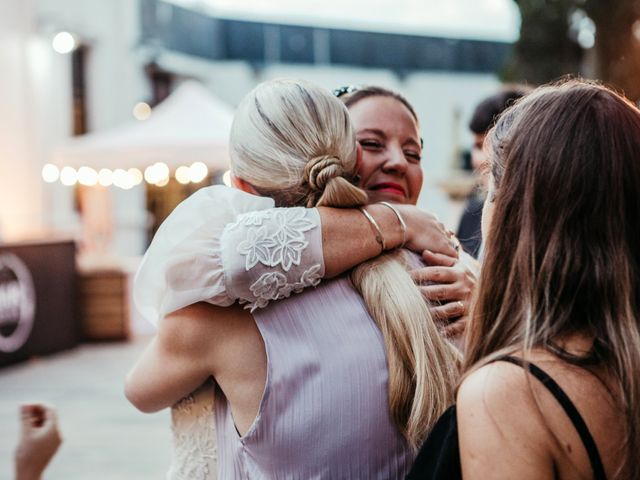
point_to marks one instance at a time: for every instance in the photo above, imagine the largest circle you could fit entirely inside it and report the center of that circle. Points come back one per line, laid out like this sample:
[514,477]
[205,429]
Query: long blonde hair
[563,249]
[294,142]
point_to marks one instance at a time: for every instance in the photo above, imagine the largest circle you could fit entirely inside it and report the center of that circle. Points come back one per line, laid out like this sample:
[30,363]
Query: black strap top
[439,457]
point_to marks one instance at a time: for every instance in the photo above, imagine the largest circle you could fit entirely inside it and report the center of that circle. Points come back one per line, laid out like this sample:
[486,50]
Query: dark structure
[194,33]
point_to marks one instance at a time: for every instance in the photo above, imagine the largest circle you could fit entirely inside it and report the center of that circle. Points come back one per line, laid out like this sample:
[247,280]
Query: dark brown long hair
[562,253]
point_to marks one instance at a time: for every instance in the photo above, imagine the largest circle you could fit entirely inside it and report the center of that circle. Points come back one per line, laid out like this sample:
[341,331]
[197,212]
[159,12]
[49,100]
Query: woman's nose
[395,160]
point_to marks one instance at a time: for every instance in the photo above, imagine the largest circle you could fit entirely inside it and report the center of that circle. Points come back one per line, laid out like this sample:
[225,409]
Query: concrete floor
[105,438]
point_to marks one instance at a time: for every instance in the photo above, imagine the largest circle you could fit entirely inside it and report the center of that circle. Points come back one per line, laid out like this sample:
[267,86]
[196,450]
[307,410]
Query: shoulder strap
[569,408]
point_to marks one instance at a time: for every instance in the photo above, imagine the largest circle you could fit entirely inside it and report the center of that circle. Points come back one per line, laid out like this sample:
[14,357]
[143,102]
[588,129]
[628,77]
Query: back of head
[294,142]
[488,110]
[563,248]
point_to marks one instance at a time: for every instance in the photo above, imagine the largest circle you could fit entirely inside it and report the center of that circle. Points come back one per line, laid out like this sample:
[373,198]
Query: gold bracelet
[403,225]
[376,228]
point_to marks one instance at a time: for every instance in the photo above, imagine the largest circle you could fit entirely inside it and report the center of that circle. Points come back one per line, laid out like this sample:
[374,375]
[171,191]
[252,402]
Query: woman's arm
[269,255]
[179,359]
[348,238]
[222,245]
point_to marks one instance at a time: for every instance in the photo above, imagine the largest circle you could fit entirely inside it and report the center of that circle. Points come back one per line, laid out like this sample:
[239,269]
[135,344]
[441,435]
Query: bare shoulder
[497,395]
[499,426]
[198,325]
[499,386]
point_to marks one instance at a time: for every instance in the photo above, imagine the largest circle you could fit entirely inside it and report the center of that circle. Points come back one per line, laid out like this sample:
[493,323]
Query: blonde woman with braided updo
[340,381]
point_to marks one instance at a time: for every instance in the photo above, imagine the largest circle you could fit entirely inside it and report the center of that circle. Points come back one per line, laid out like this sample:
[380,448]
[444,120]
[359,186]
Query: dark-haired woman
[551,383]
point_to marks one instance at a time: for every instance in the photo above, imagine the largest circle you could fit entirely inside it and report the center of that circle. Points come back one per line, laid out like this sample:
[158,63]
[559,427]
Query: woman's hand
[426,232]
[448,284]
[39,440]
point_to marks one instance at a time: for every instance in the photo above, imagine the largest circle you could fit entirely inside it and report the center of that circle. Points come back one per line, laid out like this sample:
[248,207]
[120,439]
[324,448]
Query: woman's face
[390,169]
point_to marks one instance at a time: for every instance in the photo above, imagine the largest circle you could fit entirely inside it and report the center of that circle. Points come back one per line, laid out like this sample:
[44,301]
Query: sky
[472,19]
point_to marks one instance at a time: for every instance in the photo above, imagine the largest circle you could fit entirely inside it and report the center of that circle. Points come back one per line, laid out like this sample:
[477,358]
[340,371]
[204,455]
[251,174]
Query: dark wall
[51,269]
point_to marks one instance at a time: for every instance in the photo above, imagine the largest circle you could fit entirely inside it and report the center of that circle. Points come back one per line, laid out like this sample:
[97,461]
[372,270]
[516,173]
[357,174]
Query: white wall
[35,92]
[20,192]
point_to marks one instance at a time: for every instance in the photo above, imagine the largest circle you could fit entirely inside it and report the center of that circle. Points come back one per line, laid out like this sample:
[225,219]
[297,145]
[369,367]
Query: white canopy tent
[191,125]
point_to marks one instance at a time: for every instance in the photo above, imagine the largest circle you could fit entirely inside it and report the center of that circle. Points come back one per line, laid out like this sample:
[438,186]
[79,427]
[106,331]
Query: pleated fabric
[325,411]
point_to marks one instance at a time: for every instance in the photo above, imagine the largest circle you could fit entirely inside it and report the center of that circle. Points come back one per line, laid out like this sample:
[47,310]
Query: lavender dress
[324,412]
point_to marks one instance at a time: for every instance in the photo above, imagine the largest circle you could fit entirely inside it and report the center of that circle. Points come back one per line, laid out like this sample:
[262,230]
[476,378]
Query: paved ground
[105,438]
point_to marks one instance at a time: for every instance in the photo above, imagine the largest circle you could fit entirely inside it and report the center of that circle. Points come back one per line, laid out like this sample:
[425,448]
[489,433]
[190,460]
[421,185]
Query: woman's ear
[243,185]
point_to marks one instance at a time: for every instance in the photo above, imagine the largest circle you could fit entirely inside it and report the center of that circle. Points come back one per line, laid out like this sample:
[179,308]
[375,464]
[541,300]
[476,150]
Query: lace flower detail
[254,218]
[257,247]
[288,253]
[274,286]
[268,285]
[279,243]
[292,223]
[275,241]
[311,277]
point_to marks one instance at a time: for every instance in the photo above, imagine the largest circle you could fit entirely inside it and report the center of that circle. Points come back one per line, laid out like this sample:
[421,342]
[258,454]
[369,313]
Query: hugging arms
[236,241]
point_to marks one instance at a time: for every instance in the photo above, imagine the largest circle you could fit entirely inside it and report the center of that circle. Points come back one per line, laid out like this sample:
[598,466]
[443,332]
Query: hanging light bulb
[50,173]
[68,176]
[163,183]
[105,177]
[141,111]
[87,176]
[135,176]
[198,171]
[226,178]
[163,172]
[121,179]
[183,175]
[64,42]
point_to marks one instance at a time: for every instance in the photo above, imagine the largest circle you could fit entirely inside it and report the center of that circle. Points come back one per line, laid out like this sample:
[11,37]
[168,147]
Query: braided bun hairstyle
[293,141]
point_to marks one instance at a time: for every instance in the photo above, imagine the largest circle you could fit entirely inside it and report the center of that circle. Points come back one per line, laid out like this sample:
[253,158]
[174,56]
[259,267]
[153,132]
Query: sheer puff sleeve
[222,245]
[183,265]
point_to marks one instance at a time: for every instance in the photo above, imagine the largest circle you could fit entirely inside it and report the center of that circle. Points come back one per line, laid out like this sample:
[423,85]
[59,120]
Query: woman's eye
[414,156]
[370,144]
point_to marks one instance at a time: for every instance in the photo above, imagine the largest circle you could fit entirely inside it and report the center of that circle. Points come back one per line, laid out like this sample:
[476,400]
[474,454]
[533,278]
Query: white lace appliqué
[276,239]
[257,247]
[193,428]
[274,286]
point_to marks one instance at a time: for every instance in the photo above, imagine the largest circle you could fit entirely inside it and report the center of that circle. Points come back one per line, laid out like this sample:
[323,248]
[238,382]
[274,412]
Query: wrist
[388,224]
[408,213]
[26,466]
[401,223]
[24,472]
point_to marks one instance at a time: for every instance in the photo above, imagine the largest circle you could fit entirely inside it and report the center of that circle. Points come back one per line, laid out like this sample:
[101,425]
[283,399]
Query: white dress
[220,246]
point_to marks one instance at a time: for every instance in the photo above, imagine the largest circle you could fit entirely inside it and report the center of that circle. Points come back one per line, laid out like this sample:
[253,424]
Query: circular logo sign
[17,303]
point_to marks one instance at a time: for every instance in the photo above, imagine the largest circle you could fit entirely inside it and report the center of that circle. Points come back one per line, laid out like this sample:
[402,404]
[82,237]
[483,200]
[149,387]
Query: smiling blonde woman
[330,383]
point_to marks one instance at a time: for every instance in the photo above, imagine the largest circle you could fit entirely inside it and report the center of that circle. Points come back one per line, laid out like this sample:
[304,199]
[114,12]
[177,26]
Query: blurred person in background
[484,117]
[39,440]
[551,381]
